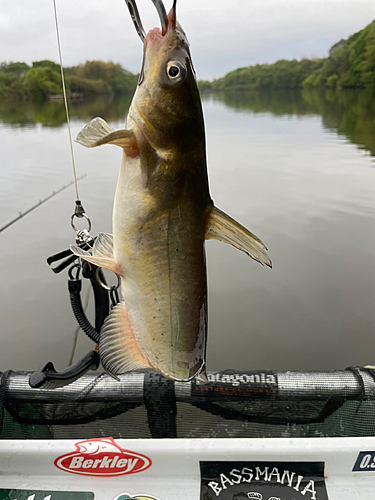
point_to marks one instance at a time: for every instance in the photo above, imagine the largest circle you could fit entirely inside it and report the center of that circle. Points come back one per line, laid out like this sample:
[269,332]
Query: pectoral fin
[118,349]
[223,228]
[98,132]
[102,253]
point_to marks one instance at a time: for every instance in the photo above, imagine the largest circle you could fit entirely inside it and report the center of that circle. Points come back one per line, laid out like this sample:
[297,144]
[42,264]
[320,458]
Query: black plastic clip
[47,377]
[62,255]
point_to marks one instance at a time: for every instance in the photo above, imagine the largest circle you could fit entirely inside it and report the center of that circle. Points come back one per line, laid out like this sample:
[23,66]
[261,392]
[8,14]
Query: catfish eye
[176,71]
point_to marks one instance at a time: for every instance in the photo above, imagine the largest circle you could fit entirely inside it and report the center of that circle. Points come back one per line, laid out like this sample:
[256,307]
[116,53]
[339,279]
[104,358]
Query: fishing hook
[162,15]
[136,19]
[134,13]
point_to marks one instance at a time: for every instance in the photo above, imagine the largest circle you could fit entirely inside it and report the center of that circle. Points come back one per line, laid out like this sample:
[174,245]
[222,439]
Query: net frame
[233,403]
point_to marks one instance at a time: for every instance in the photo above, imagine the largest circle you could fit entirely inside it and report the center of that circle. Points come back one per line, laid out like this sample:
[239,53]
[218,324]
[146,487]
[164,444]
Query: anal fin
[118,349]
[223,228]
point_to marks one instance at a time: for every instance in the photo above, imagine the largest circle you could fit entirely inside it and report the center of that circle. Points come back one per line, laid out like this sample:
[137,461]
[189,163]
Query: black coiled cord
[75,287]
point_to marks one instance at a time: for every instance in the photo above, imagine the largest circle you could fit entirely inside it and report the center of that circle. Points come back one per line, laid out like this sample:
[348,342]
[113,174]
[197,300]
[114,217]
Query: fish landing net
[233,404]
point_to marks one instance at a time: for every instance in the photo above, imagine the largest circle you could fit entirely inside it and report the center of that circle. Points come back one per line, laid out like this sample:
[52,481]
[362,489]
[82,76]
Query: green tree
[204,86]
[102,77]
[352,64]
[43,80]
[282,74]
[18,69]
[12,79]
[47,64]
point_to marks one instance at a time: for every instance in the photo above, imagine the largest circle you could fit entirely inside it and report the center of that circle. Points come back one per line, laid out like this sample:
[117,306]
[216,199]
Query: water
[297,169]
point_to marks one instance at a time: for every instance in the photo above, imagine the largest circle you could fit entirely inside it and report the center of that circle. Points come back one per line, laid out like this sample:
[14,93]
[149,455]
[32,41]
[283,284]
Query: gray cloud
[223,35]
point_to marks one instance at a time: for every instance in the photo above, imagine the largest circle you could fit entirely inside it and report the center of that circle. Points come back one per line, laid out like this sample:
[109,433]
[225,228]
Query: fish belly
[164,285]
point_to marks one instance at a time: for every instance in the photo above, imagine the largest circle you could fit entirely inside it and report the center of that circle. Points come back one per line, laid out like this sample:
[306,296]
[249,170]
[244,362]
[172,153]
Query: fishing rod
[22,214]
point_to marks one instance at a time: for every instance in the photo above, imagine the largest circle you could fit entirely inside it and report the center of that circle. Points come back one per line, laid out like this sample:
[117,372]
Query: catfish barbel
[162,215]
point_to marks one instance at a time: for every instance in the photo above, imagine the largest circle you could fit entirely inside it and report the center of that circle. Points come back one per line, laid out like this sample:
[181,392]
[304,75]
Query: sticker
[263,481]
[235,383]
[128,496]
[365,462]
[45,495]
[102,457]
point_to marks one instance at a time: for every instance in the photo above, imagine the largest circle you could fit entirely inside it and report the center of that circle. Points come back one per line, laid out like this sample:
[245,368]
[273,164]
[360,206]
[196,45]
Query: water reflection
[276,102]
[52,113]
[349,112]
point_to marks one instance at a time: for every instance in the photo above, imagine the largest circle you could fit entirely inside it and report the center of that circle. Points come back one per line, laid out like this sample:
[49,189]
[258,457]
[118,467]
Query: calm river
[297,169]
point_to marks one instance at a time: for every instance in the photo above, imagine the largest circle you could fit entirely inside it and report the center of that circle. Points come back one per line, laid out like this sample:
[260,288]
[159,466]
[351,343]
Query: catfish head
[166,107]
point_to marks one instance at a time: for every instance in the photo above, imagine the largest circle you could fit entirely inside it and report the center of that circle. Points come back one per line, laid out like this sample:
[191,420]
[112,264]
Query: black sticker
[13,494]
[365,462]
[263,481]
[237,383]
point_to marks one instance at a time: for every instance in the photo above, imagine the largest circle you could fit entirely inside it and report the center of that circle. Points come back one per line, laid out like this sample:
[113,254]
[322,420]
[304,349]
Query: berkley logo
[102,457]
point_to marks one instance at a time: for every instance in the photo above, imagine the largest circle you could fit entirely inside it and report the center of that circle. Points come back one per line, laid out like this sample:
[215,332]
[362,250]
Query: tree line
[43,78]
[350,64]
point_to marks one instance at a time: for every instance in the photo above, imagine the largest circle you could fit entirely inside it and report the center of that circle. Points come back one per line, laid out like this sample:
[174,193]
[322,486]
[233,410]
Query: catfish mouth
[154,35]
[167,21]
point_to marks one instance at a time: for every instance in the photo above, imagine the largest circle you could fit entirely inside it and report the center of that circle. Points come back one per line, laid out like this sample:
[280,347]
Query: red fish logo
[128,496]
[102,457]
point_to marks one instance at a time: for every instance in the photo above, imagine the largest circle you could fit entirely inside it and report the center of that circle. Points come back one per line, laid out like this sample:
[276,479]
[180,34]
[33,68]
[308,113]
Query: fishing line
[79,210]
[65,98]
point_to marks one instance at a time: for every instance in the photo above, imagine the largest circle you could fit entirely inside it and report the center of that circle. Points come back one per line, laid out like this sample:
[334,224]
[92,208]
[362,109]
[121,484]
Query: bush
[43,80]
[102,77]
[282,74]
[332,81]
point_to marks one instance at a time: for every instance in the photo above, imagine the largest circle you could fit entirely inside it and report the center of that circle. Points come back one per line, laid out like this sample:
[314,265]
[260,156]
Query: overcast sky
[223,35]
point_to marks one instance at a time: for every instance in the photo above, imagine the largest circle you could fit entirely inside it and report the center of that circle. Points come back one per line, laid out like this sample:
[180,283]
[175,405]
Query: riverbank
[43,79]
[350,64]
